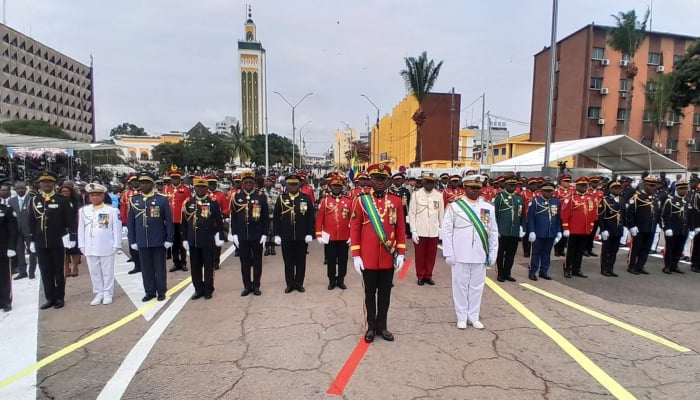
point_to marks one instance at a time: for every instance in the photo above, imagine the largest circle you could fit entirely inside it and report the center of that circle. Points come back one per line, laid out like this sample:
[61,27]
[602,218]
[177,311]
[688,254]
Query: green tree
[169,153]
[279,149]
[241,147]
[686,82]
[362,149]
[420,76]
[658,94]
[627,37]
[34,128]
[127,129]
[211,151]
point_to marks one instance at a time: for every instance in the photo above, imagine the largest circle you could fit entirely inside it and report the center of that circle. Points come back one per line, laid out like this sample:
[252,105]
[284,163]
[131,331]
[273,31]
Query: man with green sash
[469,244]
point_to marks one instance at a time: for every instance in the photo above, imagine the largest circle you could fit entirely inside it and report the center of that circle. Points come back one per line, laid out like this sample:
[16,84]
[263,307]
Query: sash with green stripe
[478,225]
[376,222]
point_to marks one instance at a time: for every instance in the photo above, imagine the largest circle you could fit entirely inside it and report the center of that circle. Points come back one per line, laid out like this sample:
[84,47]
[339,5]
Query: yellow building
[138,148]
[341,145]
[395,139]
[512,147]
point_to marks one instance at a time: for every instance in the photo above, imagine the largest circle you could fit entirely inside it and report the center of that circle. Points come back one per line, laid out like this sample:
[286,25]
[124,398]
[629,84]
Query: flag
[354,167]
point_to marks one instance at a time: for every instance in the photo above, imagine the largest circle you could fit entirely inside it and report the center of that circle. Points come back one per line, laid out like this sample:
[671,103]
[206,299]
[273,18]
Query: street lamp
[293,107]
[375,106]
[301,141]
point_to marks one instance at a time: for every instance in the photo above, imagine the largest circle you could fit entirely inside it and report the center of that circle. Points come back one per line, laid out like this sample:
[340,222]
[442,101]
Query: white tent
[38,142]
[618,153]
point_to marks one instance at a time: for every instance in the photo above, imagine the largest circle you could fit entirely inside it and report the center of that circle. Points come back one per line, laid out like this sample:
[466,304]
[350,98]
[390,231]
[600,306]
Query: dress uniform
[675,214]
[151,231]
[8,243]
[469,244]
[133,182]
[528,195]
[397,188]
[544,229]
[361,184]
[249,227]
[220,198]
[271,195]
[177,194]
[306,188]
[694,198]
[425,214]
[294,229]
[20,206]
[444,182]
[488,192]
[611,223]
[202,232]
[53,229]
[378,246]
[454,191]
[333,231]
[642,214]
[597,193]
[511,222]
[562,192]
[579,213]
[99,239]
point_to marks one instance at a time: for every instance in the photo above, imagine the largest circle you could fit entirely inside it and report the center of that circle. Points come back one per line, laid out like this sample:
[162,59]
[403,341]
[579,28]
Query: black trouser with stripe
[591,237]
[294,256]
[202,260]
[639,251]
[51,267]
[507,247]
[673,250]
[574,253]
[377,284]
[608,254]
[337,255]
[250,253]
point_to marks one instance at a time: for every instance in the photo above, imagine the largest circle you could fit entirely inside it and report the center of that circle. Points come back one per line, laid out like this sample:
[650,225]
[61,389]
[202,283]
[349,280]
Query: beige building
[341,145]
[139,148]
[40,83]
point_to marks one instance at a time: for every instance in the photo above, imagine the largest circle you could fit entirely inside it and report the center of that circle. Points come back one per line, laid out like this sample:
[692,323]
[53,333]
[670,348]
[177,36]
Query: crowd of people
[479,222]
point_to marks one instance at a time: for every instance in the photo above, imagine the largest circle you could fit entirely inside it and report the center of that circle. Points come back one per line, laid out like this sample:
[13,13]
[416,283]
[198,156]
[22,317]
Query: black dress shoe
[289,289]
[134,271]
[579,274]
[184,268]
[633,272]
[161,297]
[331,285]
[342,285]
[32,276]
[678,271]
[174,268]
[510,279]
[59,304]
[567,274]
[546,277]
[605,273]
[429,281]
[46,305]
[196,296]
[386,335]
[586,254]
[148,297]
[695,270]
[301,289]
[257,292]
[19,276]
[592,254]
[207,297]
[369,336]
[7,308]
[500,279]
[643,272]
[614,275]
[532,277]
[267,251]
[245,292]
[217,267]
[666,271]
[421,282]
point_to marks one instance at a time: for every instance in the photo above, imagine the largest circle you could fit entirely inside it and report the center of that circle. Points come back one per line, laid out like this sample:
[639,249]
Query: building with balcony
[139,148]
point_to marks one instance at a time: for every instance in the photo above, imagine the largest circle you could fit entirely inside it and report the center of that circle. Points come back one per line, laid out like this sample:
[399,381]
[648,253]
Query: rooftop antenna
[4,12]
[651,13]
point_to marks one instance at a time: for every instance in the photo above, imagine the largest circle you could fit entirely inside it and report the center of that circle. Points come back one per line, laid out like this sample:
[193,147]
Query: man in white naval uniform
[99,239]
[469,244]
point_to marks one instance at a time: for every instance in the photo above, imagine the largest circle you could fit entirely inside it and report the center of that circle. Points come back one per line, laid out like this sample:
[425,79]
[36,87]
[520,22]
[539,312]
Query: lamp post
[301,141]
[377,125]
[293,107]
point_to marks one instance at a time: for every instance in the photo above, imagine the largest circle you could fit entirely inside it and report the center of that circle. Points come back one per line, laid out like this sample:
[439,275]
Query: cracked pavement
[291,346]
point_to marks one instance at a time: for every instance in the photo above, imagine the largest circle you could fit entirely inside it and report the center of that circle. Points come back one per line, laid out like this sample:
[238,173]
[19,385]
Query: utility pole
[490,149]
[294,129]
[452,130]
[546,170]
[371,137]
[483,127]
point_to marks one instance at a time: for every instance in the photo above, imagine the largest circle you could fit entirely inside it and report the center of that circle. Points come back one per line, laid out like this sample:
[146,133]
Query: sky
[166,64]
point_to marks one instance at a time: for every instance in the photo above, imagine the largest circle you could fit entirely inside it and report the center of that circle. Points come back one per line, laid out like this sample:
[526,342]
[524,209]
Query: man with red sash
[177,194]
[127,194]
[333,230]
[378,245]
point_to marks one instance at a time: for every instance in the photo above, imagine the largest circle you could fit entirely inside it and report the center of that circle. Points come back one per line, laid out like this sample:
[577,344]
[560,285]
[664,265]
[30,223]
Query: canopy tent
[38,142]
[618,153]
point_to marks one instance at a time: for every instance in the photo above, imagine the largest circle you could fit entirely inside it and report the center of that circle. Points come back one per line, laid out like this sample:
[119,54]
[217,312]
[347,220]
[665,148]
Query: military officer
[511,222]
[177,194]
[528,195]
[271,195]
[361,184]
[133,189]
[293,223]
[397,188]
[378,246]
[562,192]
[306,188]
[8,243]
[151,232]
[611,223]
[642,214]
[675,214]
[249,228]
[220,198]
[488,192]
[544,230]
[202,232]
[579,213]
[454,191]
[425,214]
[596,192]
[53,229]
[444,182]
[333,231]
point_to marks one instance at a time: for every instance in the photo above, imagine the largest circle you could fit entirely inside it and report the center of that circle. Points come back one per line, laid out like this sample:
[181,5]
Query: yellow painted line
[89,339]
[610,320]
[589,366]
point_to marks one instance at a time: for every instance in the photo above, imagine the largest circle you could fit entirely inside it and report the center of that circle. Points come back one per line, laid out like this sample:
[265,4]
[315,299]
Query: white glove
[450,260]
[115,250]
[235,241]
[134,247]
[32,247]
[67,243]
[320,240]
[278,240]
[522,232]
[399,263]
[531,237]
[634,231]
[168,245]
[669,232]
[230,237]
[348,242]
[218,242]
[359,265]
[697,230]
[557,238]
[308,239]
[186,245]
[227,220]
[125,230]
[263,239]
[566,233]
[11,253]
[415,238]
[604,235]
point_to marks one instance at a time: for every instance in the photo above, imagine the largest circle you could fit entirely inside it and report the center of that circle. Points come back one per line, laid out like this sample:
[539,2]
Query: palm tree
[626,38]
[420,76]
[658,95]
[241,147]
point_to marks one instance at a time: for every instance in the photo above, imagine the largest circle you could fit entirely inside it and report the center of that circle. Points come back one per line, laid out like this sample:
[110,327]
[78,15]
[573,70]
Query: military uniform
[642,213]
[271,195]
[151,230]
[8,243]
[425,215]
[405,195]
[597,194]
[224,206]
[124,215]
[562,193]
[694,199]
[675,214]
[53,227]
[177,196]
[203,230]
[579,214]
[544,221]
[511,222]
[333,219]
[528,195]
[610,220]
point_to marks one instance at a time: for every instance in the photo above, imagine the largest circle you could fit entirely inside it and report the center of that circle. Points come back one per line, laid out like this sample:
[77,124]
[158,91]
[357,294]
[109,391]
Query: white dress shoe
[107,300]
[477,324]
[96,301]
[461,324]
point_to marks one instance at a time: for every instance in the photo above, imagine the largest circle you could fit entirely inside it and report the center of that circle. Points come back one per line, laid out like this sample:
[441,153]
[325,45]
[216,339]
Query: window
[621,114]
[654,59]
[675,117]
[651,86]
[647,116]
[676,58]
[696,119]
[672,144]
[624,85]
[504,152]
[593,112]
[598,53]
[596,83]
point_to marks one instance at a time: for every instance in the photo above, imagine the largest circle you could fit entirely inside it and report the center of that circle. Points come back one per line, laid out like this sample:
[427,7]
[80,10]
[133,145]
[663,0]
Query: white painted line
[18,330]
[132,285]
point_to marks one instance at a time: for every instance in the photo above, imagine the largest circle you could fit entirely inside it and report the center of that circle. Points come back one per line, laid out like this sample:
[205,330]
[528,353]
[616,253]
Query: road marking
[338,385]
[404,270]
[610,320]
[589,366]
[132,285]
